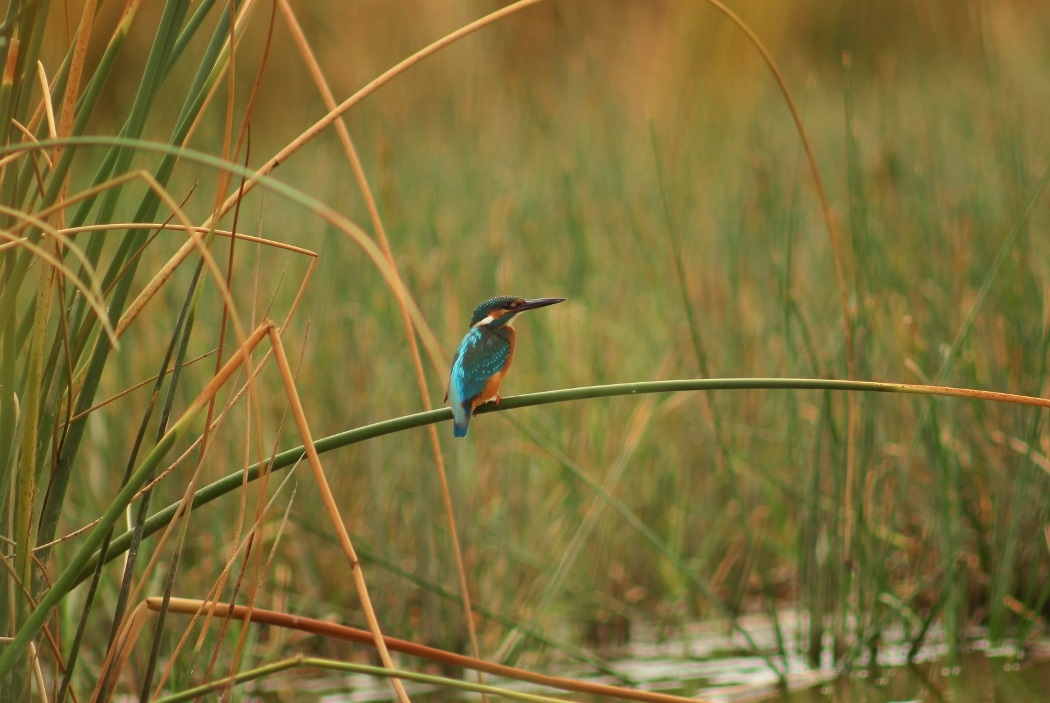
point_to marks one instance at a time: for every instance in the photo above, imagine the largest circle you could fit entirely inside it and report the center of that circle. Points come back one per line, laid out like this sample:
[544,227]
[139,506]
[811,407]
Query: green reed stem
[328,664]
[290,457]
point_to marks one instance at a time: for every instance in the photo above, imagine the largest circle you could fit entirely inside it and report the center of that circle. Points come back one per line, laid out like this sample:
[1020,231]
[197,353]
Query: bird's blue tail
[460,419]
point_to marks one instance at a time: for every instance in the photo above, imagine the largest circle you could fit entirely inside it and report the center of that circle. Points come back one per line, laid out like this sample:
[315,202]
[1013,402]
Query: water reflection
[710,662]
[706,661]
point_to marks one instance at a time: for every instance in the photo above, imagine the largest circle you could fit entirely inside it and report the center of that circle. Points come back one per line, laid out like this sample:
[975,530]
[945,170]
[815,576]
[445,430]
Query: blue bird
[484,356]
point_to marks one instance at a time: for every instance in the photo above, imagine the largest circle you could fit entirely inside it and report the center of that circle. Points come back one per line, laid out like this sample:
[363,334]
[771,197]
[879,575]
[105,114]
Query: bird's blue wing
[480,356]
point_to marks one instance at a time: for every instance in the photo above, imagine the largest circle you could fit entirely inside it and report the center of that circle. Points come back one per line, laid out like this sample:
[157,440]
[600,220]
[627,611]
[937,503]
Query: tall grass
[637,158]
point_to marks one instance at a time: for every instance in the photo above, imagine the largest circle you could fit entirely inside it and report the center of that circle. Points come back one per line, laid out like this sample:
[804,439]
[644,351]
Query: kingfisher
[484,356]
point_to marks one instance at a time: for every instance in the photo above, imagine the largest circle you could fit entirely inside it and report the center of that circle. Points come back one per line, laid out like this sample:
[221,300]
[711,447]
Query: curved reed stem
[290,457]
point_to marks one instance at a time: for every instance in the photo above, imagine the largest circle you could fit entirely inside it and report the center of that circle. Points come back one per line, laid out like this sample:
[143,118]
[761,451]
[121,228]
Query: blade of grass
[172,16]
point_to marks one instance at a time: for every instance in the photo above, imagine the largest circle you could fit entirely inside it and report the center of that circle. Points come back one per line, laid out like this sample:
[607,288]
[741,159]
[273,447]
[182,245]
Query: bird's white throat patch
[488,320]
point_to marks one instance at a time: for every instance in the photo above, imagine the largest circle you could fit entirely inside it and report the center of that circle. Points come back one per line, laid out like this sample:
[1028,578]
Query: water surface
[709,662]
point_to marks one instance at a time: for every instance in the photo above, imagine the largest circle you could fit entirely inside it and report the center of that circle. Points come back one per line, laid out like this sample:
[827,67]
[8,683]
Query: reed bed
[241,241]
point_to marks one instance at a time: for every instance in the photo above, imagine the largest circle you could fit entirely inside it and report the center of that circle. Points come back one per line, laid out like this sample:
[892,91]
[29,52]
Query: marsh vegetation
[879,213]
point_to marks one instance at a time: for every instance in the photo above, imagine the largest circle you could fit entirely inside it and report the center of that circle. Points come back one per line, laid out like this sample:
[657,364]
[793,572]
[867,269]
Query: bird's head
[499,311]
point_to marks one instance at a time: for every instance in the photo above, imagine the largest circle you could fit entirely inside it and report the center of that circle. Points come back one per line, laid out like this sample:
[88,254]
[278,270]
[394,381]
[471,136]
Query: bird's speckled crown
[499,302]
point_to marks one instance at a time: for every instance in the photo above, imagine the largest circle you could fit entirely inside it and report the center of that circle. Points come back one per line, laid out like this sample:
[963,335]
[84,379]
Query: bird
[484,356]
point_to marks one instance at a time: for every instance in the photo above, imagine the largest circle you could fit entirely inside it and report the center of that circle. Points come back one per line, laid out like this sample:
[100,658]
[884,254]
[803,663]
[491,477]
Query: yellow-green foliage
[559,152]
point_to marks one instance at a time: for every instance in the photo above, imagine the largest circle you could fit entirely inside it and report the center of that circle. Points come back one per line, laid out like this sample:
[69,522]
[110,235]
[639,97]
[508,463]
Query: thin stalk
[835,238]
[333,509]
[311,662]
[1038,587]
[992,275]
[406,318]
[324,628]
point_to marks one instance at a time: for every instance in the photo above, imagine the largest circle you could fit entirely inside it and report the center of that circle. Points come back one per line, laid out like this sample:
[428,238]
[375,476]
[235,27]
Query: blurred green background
[562,152]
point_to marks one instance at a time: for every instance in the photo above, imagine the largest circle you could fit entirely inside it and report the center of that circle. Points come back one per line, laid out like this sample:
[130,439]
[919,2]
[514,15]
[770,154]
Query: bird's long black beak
[537,303]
